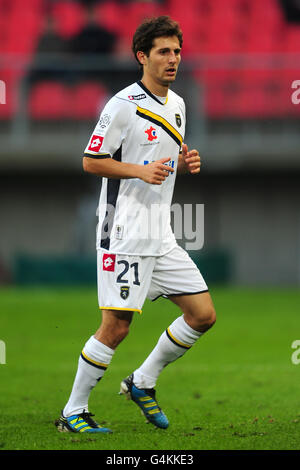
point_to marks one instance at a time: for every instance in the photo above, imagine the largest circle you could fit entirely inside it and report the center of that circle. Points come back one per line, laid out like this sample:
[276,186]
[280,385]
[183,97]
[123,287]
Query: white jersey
[136,127]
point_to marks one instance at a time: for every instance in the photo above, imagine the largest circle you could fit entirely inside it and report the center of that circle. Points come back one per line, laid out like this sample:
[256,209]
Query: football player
[137,147]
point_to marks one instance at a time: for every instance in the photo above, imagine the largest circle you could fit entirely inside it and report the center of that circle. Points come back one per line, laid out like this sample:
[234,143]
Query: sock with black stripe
[93,362]
[173,343]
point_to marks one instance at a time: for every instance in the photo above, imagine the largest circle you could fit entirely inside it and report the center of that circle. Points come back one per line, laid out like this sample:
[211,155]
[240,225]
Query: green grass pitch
[237,388]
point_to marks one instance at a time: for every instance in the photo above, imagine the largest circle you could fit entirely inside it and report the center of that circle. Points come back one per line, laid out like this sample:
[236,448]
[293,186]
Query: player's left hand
[191,159]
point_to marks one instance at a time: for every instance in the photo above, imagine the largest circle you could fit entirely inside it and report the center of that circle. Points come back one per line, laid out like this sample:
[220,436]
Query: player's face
[164,58]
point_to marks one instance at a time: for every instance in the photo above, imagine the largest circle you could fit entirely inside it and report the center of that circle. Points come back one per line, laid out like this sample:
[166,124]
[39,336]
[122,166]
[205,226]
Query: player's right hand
[156,172]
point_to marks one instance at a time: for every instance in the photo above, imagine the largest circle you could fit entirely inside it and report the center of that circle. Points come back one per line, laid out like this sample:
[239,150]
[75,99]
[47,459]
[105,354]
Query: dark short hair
[152,28]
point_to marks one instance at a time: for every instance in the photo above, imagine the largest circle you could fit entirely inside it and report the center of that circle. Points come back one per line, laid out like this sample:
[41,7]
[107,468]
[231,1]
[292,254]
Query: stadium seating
[49,100]
[68,16]
[88,98]
[248,27]
[53,100]
[210,28]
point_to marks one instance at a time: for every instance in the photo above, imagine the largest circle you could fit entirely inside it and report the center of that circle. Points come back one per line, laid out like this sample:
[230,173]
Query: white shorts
[124,281]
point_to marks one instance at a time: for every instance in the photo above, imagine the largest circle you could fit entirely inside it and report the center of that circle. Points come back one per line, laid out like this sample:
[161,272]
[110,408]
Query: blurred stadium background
[61,60]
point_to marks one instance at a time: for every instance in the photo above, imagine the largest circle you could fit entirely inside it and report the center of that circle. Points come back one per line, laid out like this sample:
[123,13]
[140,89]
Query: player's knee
[207,319]
[202,320]
[211,317]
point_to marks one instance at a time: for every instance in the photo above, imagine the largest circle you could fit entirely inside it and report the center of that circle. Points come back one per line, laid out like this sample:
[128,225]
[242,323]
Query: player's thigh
[175,273]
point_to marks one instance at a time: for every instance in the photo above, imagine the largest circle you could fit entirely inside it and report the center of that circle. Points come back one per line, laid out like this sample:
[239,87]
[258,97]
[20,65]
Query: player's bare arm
[152,173]
[188,161]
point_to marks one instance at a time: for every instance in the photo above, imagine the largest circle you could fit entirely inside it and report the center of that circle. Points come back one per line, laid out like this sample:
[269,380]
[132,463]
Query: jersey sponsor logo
[96,143]
[142,96]
[152,134]
[171,163]
[124,292]
[108,262]
[104,121]
[178,120]
[161,122]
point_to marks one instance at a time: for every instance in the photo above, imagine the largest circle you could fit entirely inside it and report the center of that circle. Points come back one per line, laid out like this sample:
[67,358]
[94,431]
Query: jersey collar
[151,94]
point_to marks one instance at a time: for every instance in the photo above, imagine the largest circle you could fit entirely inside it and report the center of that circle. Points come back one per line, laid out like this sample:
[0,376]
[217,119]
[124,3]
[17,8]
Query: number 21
[126,269]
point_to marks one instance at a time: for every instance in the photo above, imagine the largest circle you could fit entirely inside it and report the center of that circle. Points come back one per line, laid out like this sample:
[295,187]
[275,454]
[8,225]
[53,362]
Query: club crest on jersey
[151,132]
[108,262]
[96,143]
[124,292]
[178,120]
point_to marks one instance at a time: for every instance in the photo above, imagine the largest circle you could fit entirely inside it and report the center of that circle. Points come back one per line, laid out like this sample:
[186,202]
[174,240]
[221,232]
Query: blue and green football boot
[82,422]
[145,399]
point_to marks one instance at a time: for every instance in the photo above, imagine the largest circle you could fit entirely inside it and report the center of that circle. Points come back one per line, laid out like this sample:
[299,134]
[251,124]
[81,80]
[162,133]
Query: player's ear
[141,56]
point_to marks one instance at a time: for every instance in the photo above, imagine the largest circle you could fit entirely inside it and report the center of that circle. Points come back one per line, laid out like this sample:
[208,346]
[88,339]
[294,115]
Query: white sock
[93,362]
[172,344]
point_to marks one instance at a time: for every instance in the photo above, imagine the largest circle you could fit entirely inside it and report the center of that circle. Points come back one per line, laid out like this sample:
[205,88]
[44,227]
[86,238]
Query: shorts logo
[178,120]
[137,97]
[124,292]
[96,143]
[109,262]
[151,132]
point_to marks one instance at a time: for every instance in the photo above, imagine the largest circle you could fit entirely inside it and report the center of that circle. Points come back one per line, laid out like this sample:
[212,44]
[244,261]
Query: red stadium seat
[132,13]
[50,100]
[253,102]
[193,25]
[69,17]
[24,26]
[109,16]
[222,92]
[214,100]
[264,95]
[293,39]
[88,99]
